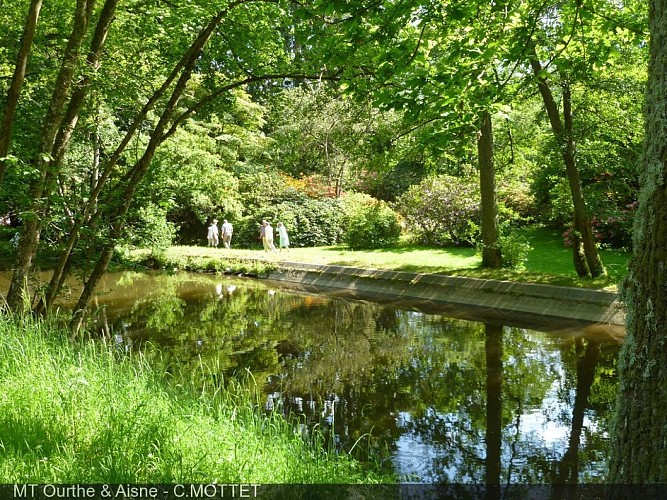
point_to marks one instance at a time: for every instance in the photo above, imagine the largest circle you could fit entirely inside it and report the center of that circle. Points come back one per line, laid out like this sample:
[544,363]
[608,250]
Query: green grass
[90,413]
[548,262]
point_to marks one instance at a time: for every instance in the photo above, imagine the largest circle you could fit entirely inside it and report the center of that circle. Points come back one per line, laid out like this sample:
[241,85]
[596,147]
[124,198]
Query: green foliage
[442,210]
[373,226]
[309,221]
[615,229]
[349,144]
[150,229]
[389,183]
[94,413]
[514,249]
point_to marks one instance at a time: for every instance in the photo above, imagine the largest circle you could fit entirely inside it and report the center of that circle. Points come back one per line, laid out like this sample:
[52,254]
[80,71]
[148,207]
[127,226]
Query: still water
[438,399]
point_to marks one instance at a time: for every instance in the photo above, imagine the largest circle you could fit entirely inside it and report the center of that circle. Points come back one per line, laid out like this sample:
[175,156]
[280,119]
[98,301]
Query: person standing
[283,237]
[212,236]
[268,238]
[262,234]
[227,230]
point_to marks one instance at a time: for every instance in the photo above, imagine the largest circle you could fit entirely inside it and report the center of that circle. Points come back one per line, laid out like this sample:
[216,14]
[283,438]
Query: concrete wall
[545,300]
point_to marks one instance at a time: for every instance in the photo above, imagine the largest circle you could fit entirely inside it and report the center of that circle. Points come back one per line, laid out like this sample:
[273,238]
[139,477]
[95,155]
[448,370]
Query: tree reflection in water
[439,399]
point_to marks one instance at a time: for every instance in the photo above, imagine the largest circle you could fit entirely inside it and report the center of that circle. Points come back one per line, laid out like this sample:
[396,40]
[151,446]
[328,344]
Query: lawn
[548,261]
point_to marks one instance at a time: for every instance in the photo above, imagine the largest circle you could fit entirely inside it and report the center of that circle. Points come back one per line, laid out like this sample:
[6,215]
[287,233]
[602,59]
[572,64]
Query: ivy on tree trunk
[639,437]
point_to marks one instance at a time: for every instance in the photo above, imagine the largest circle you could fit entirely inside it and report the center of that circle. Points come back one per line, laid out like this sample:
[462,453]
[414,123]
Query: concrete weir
[525,298]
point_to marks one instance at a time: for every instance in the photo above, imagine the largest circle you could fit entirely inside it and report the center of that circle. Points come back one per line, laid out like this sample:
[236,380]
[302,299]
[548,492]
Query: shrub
[149,228]
[441,210]
[373,226]
[310,222]
[514,250]
[516,203]
[614,229]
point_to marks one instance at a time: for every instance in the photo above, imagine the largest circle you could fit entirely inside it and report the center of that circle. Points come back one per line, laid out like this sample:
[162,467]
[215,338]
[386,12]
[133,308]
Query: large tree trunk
[491,254]
[67,128]
[587,260]
[14,91]
[18,294]
[639,437]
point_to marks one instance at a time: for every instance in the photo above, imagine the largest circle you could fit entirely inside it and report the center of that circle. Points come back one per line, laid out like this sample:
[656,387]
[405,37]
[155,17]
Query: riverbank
[548,262]
[528,298]
[95,413]
[536,299]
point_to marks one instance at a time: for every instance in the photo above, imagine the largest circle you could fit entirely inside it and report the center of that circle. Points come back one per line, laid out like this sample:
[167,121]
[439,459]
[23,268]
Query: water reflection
[439,399]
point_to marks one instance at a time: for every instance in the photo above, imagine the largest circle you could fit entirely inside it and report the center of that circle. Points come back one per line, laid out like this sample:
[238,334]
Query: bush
[442,210]
[149,228]
[373,226]
[613,230]
[516,203]
[310,222]
[514,250]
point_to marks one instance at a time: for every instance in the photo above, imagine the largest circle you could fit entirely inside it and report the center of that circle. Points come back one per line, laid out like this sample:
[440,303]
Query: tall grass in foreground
[87,413]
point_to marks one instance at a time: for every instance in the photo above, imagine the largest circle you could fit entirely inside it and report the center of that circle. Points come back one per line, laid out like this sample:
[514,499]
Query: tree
[449,69]
[316,130]
[44,170]
[639,454]
[14,91]
[491,253]
[586,258]
[572,47]
[145,118]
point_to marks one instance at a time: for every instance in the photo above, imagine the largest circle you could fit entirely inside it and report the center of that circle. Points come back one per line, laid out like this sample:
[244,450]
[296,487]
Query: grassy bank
[91,413]
[548,261]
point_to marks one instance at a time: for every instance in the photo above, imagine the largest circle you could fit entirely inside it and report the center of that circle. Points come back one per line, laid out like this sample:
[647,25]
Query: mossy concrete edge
[529,298]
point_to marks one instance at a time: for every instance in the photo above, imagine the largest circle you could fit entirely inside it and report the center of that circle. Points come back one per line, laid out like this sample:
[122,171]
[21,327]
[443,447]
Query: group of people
[265,235]
[226,230]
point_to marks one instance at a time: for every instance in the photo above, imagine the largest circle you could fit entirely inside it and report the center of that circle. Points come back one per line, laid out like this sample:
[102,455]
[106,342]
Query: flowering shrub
[442,210]
[614,230]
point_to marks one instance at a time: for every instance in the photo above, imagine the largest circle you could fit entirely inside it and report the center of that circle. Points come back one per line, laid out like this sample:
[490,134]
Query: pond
[436,398]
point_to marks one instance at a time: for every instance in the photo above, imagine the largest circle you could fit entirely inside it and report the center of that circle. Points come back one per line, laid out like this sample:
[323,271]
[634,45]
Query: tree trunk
[639,437]
[582,222]
[66,130]
[82,88]
[18,294]
[587,358]
[14,91]
[592,265]
[494,407]
[510,140]
[491,254]
[131,180]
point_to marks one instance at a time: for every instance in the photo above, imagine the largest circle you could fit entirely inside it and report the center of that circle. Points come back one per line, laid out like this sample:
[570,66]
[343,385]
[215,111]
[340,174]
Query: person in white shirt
[268,238]
[212,236]
[283,237]
[227,230]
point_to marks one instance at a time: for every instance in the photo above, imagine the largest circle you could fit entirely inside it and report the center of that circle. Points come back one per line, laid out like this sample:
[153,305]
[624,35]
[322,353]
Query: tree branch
[250,79]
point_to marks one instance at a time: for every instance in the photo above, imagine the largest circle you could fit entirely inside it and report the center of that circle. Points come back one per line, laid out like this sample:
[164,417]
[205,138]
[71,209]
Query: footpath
[545,301]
